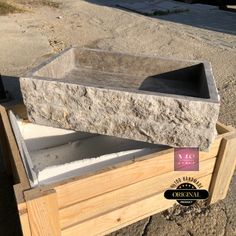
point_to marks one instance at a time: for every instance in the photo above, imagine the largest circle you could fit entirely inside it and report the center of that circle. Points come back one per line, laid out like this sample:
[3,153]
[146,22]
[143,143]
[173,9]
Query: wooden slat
[43,214]
[121,175]
[120,217]
[5,149]
[20,110]
[25,226]
[205,181]
[221,128]
[22,209]
[125,215]
[16,161]
[18,190]
[123,196]
[224,169]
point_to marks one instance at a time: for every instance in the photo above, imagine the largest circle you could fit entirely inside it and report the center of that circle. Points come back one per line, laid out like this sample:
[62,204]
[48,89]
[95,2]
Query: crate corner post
[43,213]
[224,169]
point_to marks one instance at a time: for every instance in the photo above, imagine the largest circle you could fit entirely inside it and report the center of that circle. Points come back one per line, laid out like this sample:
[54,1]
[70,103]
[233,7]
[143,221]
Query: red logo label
[186,159]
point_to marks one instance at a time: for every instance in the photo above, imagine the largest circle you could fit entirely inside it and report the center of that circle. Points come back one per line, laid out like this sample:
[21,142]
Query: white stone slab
[51,155]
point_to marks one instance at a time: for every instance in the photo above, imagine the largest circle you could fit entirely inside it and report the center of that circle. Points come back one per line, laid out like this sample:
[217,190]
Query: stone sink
[151,99]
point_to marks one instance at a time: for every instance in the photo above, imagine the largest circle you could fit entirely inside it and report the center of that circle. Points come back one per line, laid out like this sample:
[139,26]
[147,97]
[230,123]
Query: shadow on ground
[198,15]
[9,219]
[10,89]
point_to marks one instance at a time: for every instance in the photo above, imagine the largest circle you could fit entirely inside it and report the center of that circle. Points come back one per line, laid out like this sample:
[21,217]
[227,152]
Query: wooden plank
[224,169]
[123,196]
[5,149]
[24,220]
[43,214]
[97,225]
[22,209]
[121,175]
[221,128]
[205,181]
[17,164]
[18,190]
[18,109]
[125,215]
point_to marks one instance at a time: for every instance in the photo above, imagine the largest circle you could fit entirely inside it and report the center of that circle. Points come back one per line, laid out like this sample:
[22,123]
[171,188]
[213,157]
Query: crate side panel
[205,182]
[125,215]
[153,165]
[43,214]
[22,210]
[126,195]
[224,169]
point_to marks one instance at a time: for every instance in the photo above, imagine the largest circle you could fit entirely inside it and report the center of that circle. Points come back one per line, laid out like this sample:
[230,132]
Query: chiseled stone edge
[173,121]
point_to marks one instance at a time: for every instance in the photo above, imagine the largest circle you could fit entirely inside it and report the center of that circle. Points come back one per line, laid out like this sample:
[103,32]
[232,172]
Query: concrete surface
[201,35]
[29,44]
[155,7]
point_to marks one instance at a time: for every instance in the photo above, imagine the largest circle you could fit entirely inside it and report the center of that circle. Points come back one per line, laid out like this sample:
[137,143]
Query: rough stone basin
[150,99]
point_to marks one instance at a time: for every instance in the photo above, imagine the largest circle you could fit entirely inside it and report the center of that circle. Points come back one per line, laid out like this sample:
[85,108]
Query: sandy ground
[28,38]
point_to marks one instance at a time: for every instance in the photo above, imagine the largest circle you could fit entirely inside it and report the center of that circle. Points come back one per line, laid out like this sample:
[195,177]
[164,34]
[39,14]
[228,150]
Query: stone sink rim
[211,85]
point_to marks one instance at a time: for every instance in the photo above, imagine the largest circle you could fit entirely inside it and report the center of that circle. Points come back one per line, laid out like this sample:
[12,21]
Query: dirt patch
[17,6]
[6,8]
[48,3]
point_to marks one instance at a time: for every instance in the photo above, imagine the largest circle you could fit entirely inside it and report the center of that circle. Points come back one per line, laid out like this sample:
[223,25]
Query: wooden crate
[101,202]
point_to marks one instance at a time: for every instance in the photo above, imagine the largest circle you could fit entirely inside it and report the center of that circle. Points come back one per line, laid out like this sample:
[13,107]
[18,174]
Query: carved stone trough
[150,99]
